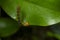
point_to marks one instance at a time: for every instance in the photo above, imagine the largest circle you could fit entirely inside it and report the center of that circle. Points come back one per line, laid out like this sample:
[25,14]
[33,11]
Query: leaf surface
[35,12]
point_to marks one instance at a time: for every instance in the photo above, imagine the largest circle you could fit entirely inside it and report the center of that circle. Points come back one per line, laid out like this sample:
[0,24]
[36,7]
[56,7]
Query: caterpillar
[18,14]
[18,17]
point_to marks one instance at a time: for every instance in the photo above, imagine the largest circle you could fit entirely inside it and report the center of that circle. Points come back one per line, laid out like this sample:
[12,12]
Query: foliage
[43,13]
[35,12]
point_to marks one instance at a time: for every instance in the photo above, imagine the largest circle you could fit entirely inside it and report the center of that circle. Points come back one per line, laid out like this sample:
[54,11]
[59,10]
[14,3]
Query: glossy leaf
[35,12]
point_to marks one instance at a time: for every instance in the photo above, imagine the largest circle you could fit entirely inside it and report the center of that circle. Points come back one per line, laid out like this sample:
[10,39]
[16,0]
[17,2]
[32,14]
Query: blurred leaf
[50,34]
[35,12]
[8,27]
[35,38]
[56,28]
[53,35]
[55,31]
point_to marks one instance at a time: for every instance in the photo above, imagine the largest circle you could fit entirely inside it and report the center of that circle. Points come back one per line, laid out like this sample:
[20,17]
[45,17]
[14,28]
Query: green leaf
[35,38]
[8,27]
[56,28]
[55,31]
[53,35]
[35,12]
